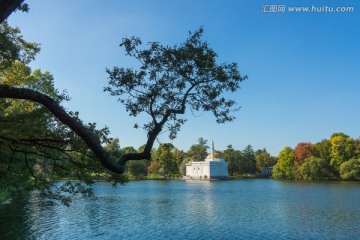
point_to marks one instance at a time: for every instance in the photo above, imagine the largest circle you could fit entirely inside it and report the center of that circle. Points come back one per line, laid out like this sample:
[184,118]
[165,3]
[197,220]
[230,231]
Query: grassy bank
[243,176]
[161,177]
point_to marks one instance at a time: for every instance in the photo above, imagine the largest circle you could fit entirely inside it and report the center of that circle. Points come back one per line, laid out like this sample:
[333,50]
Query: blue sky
[303,68]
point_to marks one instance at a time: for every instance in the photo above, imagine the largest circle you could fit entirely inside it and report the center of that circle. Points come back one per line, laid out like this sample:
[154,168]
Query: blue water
[237,209]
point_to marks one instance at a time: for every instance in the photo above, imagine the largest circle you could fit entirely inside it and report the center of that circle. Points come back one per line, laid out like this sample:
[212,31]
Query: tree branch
[7,7]
[76,126]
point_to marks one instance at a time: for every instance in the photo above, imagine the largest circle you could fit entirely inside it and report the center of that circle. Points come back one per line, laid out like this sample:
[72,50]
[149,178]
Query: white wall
[198,170]
[211,169]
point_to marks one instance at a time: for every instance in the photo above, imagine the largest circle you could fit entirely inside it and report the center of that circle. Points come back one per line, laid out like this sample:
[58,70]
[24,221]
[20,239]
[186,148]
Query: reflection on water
[244,209]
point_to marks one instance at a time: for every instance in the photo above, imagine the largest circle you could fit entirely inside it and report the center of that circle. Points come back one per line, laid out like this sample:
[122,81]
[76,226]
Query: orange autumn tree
[303,151]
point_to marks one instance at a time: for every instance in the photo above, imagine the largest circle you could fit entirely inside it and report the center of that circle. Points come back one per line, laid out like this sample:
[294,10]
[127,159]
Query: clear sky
[303,68]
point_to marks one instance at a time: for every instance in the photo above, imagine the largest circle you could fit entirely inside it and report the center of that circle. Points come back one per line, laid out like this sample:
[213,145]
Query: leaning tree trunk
[76,126]
[7,7]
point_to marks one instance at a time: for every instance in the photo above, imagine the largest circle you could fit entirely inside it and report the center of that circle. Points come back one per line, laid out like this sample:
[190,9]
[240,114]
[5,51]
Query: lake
[234,209]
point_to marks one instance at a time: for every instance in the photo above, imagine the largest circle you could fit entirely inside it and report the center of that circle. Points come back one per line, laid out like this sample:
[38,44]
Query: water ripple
[254,209]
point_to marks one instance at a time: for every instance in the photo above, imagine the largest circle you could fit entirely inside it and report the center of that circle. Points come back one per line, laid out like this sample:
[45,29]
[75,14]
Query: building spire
[212,149]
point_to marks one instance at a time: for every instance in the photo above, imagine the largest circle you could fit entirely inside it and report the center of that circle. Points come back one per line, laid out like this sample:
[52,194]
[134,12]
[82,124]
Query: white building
[213,167]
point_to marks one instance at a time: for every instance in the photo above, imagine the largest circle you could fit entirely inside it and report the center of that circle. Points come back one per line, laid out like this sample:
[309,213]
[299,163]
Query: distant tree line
[337,158]
[168,161]
[334,158]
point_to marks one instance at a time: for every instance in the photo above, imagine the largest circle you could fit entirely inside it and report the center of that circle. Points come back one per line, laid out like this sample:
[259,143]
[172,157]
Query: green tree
[19,83]
[342,149]
[277,173]
[198,152]
[248,161]
[264,159]
[314,168]
[322,149]
[169,80]
[36,147]
[129,150]
[179,156]
[164,155]
[14,47]
[137,169]
[350,170]
[233,158]
[113,147]
[286,162]
[357,148]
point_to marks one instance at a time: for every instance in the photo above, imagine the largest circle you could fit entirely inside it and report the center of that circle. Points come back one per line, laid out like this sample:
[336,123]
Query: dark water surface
[238,209]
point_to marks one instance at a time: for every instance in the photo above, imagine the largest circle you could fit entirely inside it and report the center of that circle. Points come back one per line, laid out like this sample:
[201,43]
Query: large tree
[314,168]
[233,157]
[322,149]
[248,161]
[342,149]
[303,151]
[169,80]
[35,148]
[285,167]
[15,55]
[165,156]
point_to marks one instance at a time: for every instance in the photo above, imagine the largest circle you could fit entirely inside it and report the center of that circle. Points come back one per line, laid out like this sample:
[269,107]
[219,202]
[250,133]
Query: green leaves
[286,162]
[172,78]
[35,147]
[350,170]
[198,152]
[342,149]
[166,157]
[14,47]
[314,169]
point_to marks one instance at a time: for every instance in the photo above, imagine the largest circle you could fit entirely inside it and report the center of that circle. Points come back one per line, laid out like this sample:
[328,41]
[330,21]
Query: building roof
[217,154]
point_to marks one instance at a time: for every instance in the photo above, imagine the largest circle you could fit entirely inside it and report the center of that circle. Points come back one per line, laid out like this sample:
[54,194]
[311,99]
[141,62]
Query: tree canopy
[170,80]
[334,158]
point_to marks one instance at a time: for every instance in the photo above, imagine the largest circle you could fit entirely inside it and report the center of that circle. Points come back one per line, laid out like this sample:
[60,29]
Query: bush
[314,168]
[277,173]
[350,170]
[137,169]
